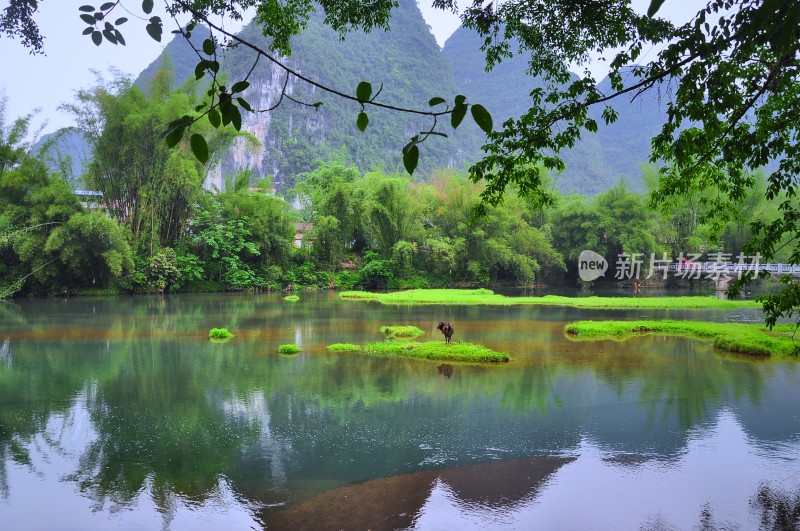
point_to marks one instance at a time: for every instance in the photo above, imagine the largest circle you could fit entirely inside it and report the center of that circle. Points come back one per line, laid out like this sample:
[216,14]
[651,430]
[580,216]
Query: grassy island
[743,338]
[488,297]
[460,351]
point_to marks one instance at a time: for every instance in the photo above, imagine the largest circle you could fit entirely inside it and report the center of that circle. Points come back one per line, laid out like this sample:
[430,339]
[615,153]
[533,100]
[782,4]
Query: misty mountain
[409,68]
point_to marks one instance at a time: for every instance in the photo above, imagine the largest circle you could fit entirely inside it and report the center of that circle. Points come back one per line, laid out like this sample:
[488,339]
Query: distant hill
[410,67]
[598,160]
[66,152]
[405,63]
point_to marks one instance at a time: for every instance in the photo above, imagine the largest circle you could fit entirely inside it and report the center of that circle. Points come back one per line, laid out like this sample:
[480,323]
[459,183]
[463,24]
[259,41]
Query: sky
[44,82]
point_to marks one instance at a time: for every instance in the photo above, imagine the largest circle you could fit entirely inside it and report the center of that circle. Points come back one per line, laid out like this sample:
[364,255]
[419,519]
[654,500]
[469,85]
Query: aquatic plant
[343,347]
[291,298]
[744,338]
[288,349]
[489,298]
[219,333]
[404,331]
[460,351]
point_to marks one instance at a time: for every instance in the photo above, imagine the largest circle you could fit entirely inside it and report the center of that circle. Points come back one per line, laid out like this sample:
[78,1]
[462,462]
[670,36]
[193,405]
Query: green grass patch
[743,338]
[459,351]
[219,333]
[291,298]
[406,331]
[344,347]
[288,349]
[488,297]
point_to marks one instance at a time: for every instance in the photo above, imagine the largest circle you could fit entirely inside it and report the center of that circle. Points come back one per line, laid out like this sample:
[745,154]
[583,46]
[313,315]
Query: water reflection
[431,499]
[126,415]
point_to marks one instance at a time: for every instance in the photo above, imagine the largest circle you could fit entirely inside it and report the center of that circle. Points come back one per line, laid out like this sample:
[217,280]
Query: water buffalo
[447,330]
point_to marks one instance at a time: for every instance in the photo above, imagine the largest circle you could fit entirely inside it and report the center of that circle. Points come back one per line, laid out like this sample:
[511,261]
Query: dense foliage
[338,227]
[732,68]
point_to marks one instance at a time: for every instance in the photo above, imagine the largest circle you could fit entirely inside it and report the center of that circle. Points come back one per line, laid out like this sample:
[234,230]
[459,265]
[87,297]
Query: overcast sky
[45,82]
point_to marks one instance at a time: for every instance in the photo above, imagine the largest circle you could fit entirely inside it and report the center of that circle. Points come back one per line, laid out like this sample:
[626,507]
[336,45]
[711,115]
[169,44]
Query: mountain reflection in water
[399,502]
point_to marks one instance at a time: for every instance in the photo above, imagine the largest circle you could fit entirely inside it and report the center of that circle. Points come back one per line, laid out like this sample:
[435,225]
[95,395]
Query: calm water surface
[120,414]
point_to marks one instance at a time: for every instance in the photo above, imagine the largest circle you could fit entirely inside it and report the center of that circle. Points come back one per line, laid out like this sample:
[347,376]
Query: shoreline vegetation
[741,338]
[489,298]
[460,351]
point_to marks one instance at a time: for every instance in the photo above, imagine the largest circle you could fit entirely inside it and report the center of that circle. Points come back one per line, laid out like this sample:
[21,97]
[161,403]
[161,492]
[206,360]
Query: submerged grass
[344,347]
[488,297]
[437,350]
[744,338]
[404,331]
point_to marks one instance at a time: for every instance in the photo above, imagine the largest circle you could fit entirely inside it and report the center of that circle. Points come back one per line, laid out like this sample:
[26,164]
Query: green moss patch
[754,339]
[288,349]
[344,347]
[459,351]
[488,297]
[291,298]
[409,332]
[219,334]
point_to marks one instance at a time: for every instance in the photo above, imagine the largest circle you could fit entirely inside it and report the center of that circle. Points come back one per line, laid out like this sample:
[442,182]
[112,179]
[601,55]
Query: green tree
[734,104]
[146,186]
[225,247]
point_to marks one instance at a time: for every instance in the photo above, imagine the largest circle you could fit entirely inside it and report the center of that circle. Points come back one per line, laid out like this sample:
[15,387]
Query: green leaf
[436,101]
[214,118]
[200,70]
[174,136]
[107,6]
[362,121]
[154,30]
[655,5]
[199,147]
[239,86]
[236,118]
[147,6]
[120,39]
[436,133]
[363,91]
[460,100]
[410,157]
[458,115]
[86,9]
[88,30]
[482,118]
[89,19]
[110,37]
[244,104]
[97,38]
[120,21]
[208,47]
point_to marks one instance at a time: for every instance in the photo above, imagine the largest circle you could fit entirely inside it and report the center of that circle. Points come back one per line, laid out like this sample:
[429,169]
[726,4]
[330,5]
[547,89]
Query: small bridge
[723,273]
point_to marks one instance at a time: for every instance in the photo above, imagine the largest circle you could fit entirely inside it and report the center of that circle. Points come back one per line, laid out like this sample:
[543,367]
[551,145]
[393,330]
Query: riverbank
[489,298]
[743,338]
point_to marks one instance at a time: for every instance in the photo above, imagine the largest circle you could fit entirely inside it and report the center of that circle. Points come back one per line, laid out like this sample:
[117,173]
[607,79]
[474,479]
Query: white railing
[729,268]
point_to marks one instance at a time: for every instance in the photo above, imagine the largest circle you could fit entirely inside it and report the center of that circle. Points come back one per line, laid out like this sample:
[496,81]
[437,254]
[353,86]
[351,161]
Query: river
[119,413]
